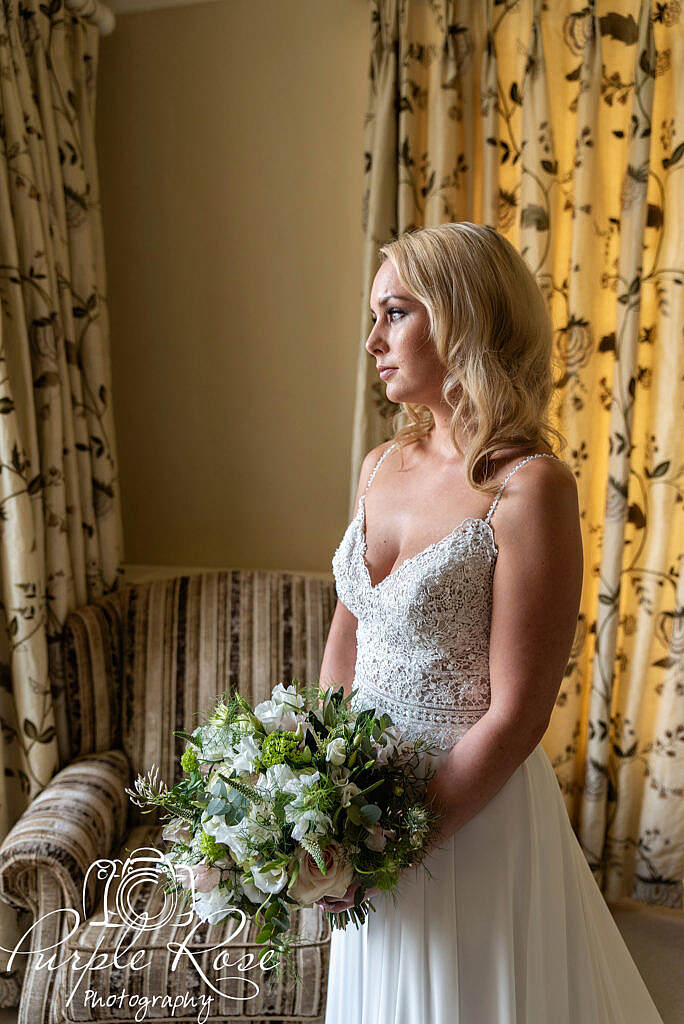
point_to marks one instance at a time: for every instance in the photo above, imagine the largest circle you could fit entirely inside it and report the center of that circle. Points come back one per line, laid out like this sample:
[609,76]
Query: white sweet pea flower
[299,781]
[212,906]
[288,695]
[296,810]
[246,754]
[229,835]
[322,823]
[251,891]
[275,779]
[235,836]
[280,712]
[336,751]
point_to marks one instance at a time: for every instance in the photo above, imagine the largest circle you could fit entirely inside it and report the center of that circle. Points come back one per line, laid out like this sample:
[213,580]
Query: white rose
[336,751]
[312,885]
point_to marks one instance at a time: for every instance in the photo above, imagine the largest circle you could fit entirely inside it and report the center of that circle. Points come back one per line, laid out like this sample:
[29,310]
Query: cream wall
[230,144]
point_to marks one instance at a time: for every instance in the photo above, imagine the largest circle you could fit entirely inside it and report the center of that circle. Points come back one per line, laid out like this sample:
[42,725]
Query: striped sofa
[141,663]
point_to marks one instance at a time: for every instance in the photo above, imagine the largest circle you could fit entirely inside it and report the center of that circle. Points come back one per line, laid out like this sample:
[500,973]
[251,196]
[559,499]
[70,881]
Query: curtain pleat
[60,516]
[561,126]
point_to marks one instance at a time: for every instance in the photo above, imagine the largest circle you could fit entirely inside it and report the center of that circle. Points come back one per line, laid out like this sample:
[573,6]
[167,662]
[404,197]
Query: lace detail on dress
[423,630]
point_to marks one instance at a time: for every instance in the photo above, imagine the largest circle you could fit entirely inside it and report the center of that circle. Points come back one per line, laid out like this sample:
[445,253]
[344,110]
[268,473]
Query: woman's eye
[389,313]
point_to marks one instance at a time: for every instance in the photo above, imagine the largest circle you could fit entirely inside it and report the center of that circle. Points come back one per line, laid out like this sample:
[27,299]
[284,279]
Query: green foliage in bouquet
[285,803]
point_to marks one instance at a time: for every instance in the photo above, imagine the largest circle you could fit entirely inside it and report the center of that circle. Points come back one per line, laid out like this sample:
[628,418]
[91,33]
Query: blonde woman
[459,581]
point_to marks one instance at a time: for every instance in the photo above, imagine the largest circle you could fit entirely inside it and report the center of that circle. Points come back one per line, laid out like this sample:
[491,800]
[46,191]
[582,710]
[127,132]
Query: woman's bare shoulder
[370,461]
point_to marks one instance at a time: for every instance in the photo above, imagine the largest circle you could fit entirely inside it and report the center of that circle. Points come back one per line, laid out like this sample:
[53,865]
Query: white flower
[336,751]
[338,775]
[300,781]
[347,792]
[255,826]
[394,743]
[212,906]
[270,881]
[204,876]
[251,892]
[177,831]
[277,778]
[216,744]
[280,712]
[322,824]
[246,754]
[312,885]
[377,839]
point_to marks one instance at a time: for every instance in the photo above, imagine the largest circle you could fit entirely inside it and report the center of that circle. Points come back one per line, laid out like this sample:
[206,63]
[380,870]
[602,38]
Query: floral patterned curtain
[562,126]
[60,517]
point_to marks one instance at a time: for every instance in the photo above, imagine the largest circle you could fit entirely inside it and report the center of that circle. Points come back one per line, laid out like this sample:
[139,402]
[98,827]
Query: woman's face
[400,339]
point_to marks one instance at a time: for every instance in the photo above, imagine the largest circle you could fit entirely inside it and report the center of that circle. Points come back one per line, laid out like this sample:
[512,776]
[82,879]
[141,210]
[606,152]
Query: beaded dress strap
[376,467]
[537,455]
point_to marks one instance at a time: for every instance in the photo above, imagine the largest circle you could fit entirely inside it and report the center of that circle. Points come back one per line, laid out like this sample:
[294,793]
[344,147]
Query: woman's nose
[373,340]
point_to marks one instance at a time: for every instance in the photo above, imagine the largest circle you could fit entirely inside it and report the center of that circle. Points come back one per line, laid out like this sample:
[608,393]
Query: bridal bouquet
[286,803]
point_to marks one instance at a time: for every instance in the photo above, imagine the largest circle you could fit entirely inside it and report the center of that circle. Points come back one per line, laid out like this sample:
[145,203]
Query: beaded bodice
[422,637]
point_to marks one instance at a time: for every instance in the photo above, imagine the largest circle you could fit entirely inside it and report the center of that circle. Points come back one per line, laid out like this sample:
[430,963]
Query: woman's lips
[384,374]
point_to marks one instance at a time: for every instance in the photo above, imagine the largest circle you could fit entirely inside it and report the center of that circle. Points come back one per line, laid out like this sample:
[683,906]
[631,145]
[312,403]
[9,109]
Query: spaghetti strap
[377,464]
[538,455]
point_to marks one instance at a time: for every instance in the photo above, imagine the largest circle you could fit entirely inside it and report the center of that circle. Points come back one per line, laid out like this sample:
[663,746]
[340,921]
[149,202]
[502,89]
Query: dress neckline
[361,515]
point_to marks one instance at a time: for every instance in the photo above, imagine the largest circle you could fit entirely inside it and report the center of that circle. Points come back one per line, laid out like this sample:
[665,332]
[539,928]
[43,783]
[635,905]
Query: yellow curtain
[562,126]
[60,518]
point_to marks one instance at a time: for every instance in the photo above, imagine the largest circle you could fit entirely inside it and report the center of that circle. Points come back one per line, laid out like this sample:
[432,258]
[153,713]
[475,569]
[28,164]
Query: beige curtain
[60,519]
[562,125]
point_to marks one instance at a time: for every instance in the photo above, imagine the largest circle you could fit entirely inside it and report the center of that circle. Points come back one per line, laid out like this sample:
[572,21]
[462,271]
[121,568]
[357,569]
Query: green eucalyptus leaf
[370,815]
[354,814]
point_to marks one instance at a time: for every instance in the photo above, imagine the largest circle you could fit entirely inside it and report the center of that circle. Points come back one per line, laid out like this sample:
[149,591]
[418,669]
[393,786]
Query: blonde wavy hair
[492,330]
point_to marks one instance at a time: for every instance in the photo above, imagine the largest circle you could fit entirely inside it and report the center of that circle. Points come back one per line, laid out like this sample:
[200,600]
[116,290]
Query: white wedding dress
[511,928]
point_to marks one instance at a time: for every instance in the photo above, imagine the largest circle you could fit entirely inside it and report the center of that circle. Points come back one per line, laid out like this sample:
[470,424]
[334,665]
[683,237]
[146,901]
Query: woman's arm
[536,595]
[339,655]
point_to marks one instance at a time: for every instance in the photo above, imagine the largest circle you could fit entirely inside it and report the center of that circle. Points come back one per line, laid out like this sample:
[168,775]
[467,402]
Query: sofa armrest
[79,817]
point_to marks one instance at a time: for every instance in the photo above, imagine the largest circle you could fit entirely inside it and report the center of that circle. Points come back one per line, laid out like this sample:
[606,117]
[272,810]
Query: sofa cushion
[190,638]
[140,919]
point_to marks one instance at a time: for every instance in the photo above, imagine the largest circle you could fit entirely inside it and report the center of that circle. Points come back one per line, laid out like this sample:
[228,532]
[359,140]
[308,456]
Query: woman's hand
[336,906]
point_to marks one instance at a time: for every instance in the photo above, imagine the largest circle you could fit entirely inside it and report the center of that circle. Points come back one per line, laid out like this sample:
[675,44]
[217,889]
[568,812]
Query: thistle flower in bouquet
[288,802]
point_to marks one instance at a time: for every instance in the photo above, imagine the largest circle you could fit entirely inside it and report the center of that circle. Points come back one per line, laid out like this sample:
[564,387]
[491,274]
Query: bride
[462,634]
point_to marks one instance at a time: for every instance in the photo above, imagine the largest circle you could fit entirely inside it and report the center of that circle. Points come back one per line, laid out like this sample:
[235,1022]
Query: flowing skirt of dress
[511,928]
